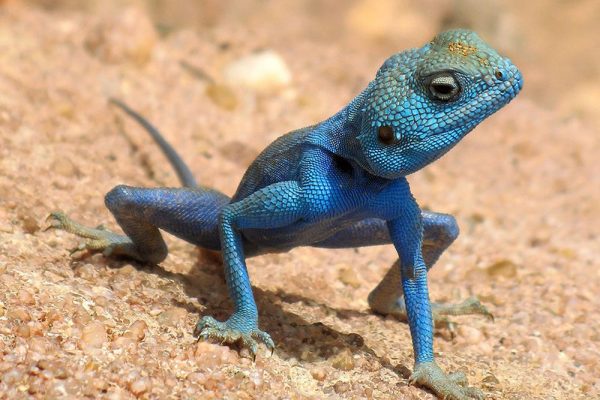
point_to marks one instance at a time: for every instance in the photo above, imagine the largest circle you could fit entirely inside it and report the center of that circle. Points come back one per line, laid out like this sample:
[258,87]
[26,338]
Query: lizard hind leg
[188,213]
[439,231]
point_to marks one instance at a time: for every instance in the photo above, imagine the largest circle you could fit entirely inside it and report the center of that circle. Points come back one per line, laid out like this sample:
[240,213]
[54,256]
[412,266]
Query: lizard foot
[234,330]
[470,306]
[98,239]
[440,312]
[446,387]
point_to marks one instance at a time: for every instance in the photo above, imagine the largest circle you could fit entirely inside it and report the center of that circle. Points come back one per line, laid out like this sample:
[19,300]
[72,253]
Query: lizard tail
[183,172]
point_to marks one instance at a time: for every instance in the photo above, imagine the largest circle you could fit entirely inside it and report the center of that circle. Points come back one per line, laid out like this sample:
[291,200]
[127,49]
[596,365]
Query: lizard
[337,184]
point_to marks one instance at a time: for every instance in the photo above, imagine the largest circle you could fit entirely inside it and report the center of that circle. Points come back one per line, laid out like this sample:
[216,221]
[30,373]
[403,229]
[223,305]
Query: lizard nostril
[499,75]
[386,134]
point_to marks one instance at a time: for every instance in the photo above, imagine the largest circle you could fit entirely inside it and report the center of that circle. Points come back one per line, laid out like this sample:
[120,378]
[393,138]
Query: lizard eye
[444,87]
[386,134]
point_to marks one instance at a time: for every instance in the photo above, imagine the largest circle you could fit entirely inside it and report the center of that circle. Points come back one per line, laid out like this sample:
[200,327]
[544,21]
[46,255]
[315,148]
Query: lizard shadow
[294,336]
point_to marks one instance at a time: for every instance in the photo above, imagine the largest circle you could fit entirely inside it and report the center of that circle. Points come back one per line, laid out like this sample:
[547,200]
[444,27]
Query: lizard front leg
[406,232]
[274,206]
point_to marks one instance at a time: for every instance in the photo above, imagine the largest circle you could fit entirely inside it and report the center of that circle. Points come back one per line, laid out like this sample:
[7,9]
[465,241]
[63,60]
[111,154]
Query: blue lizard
[337,184]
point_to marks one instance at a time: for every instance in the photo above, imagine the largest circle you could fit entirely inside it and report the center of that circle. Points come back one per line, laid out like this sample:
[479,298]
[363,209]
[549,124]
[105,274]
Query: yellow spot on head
[461,48]
[483,61]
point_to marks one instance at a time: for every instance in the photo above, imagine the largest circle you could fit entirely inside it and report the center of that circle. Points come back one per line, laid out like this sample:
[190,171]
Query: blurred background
[554,42]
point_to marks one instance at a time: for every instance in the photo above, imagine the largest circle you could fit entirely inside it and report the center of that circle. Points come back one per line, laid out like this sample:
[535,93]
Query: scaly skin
[340,183]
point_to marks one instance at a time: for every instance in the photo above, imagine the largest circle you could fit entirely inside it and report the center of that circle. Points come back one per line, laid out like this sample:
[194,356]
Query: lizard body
[339,183]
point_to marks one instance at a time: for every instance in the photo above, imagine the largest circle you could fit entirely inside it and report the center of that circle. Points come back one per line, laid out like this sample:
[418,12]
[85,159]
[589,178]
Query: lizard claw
[231,331]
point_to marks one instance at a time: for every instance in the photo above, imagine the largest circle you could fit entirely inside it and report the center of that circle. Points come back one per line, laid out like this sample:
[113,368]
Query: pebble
[262,71]
[318,373]
[343,360]
[173,316]
[25,297]
[140,386]
[93,335]
[6,227]
[341,387]
[41,345]
[470,334]
[23,331]
[349,277]
[127,270]
[125,36]
[123,343]
[19,313]
[209,355]
[137,330]
[490,382]
[30,224]
[222,96]
[65,167]
[502,268]
[87,271]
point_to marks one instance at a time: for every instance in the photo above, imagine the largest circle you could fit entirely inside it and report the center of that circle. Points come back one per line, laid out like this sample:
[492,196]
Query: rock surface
[525,188]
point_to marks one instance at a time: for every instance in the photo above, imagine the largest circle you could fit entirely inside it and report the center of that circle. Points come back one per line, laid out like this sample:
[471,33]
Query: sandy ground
[525,188]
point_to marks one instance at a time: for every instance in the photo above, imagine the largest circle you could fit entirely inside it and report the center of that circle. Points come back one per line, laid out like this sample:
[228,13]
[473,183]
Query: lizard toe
[450,387]
[97,239]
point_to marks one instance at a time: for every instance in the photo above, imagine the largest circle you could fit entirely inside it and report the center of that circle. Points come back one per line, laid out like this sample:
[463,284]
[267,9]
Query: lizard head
[423,101]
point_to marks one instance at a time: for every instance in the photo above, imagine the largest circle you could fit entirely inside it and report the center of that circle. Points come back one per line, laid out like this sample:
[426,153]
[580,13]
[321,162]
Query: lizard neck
[338,133]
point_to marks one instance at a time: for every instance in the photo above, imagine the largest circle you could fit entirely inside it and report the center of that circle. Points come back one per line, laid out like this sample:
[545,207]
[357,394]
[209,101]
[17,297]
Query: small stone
[502,268]
[6,227]
[209,355]
[91,366]
[196,377]
[53,316]
[137,330]
[341,387]
[93,335]
[102,301]
[222,96]
[318,373]
[40,345]
[86,271]
[173,316]
[469,334]
[25,297]
[349,277]
[65,167]
[81,317]
[125,36]
[262,71]
[343,360]
[490,382]
[30,224]
[122,343]
[23,331]
[19,313]
[100,384]
[140,386]
[127,270]
[155,311]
